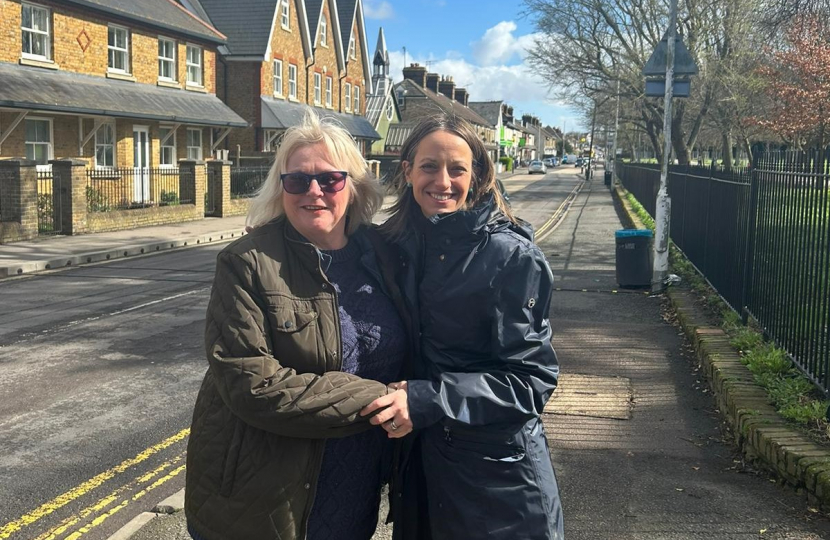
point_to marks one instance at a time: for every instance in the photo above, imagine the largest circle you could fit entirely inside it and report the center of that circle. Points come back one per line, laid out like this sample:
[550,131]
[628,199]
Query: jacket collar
[464,223]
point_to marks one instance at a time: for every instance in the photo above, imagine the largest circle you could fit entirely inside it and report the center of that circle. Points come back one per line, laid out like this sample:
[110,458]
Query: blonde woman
[303,330]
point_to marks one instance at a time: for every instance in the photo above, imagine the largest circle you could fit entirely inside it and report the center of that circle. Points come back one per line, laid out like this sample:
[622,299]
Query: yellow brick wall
[286,45]
[325,63]
[244,83]
[72,27]
[354,70]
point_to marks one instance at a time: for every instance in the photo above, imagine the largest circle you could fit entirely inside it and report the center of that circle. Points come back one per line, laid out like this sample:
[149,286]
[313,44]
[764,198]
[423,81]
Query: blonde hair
[366,197]
[482,185]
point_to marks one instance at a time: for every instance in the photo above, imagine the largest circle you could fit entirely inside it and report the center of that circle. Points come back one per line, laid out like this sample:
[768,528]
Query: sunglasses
[297,183]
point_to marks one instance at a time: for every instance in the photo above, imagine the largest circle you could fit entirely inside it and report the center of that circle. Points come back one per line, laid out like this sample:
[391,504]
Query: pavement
[635,434]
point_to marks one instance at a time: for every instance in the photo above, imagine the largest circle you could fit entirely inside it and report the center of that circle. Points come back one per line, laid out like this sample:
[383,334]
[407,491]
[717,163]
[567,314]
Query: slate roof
[280,114]
[313,9]
[161,14]
[376,102]
[421,102]
[346,13]
[246,23]
[489,110]
[24,87]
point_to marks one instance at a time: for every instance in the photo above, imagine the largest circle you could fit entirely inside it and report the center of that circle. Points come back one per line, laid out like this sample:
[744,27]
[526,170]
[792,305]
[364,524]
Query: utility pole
[616,129]
[662,219]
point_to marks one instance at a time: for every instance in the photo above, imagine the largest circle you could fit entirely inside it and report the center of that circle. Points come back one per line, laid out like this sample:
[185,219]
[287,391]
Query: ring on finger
[393,425]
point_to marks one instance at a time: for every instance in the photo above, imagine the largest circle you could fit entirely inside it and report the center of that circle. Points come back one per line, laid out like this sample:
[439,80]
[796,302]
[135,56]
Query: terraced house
[124,88]
[283,56]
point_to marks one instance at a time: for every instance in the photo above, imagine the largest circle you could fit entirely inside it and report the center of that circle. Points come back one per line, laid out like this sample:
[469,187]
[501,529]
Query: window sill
[279,96]
[120,76]
[293,99]
[286,28]
[169,84]
[195,88]
[47,64]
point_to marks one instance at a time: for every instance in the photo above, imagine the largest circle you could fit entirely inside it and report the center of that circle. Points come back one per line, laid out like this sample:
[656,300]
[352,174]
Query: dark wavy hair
[483,183]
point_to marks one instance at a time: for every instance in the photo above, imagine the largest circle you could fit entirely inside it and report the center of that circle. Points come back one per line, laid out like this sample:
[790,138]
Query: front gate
[211,193]
[49,216]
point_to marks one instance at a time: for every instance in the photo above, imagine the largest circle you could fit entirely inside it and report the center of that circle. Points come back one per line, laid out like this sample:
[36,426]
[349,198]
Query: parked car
[536,166]
[579,162]
[503,191]
[549,162]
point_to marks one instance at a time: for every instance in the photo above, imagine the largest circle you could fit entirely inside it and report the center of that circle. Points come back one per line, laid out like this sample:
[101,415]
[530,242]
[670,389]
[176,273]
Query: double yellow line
[104,504]
[553,221]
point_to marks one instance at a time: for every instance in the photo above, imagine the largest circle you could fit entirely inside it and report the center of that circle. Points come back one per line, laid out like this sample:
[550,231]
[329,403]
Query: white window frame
[352,46]
[99,144]
[47,47]
[164,60]
[200,65]
[278,77]
[348,97]
[390,110]
[194,152]
[324,32]
[318,80]
[50,145]
[329,83]
[168,145]
[292,81]
[115,49]
[356,104]
[285,15]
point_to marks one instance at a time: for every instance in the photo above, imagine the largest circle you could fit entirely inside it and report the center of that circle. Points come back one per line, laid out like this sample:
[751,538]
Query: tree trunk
[726,144]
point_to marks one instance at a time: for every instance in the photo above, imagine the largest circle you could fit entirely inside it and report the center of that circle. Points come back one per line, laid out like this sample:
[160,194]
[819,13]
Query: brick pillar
[192,181]
[220,188]
[18,199]
[69,190]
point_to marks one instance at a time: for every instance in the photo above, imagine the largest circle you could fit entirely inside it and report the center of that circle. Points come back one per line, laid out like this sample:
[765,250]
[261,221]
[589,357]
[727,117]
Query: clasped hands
[393,413]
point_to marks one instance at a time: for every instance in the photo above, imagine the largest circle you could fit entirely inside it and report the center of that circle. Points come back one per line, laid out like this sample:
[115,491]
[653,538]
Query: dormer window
[37,40]
[285,20]
[323,33]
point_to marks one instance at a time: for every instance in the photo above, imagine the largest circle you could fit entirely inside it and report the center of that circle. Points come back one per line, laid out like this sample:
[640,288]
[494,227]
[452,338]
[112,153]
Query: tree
[585,46]
[798,86]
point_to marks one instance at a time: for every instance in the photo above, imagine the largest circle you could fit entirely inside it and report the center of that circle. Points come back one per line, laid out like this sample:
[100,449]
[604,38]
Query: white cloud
[377,9]
[498,45]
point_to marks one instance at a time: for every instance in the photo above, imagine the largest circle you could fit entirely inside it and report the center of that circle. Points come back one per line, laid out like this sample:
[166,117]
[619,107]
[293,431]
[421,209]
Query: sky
[480,43]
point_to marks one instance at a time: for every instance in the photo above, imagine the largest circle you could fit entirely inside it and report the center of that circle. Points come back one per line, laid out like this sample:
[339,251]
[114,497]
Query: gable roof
[246,23]
[421,102]
[351,12]
[162,14]
[489,110]
[314,12]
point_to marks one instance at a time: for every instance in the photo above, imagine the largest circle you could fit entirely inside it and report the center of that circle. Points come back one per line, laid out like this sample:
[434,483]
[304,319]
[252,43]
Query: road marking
[62,500]
[123,504]
[104,502]
[550,225]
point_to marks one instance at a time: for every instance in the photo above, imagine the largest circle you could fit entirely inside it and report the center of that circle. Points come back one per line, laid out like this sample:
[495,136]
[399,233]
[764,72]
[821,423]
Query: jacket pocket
[232,459]
[487,446]
[295,337]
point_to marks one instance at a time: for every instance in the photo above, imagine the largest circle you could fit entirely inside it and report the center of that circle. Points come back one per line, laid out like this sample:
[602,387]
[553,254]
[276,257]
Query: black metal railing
[130,188]
[49,216]
[246,181]
[761,237]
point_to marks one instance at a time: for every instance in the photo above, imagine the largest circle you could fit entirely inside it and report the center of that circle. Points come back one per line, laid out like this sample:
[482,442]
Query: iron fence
[129,188]
[761,237]
[49,216]
[246,181]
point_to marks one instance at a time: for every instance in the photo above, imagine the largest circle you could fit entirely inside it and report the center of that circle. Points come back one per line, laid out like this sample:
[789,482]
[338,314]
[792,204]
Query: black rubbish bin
[634,257]
[607,176]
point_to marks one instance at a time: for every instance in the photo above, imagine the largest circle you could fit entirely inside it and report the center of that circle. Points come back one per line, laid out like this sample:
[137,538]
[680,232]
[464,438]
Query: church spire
[381,60]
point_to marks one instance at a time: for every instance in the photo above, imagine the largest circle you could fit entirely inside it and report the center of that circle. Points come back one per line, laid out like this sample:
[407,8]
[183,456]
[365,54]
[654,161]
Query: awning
[278,114]
[23,87]
[397,134]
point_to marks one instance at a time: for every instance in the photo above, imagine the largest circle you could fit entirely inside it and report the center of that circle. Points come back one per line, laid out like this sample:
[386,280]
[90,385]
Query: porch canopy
[279,115]
[43,90]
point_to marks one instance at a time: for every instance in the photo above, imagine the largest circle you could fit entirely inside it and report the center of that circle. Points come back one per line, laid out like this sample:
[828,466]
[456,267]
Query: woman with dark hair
[478,465]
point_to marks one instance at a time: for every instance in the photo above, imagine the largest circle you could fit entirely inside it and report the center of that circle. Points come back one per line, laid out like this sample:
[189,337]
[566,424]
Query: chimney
[432,81]
[416,73]
[447,87]
[461,96]
[527,120]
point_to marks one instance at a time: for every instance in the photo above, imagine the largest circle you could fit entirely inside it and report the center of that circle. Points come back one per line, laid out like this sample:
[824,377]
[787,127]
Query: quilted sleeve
[253,383]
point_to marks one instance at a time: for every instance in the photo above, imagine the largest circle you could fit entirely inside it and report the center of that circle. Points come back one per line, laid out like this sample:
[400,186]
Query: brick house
[117,83]
[421,94]
[284,55]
